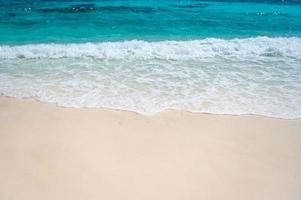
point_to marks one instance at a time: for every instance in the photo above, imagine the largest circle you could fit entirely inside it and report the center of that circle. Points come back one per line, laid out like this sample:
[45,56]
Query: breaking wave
[176,50]
[258,75]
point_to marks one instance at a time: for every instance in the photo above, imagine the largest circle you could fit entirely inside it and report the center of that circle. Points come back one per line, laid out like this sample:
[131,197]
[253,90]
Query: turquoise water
[226,57]
[87,21]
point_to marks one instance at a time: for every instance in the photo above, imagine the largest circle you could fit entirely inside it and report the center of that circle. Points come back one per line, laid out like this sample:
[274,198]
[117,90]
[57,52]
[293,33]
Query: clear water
[228,57]
[43,21]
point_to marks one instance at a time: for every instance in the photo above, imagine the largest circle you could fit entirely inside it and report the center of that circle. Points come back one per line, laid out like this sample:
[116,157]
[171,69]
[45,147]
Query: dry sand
[49,152]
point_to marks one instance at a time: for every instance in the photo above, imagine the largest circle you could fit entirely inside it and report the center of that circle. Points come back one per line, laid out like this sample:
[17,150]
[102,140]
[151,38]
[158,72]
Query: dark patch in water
[19,23]
[200,5]
[82,8]
[11,14]
[67,10]
[85,5]
[127,9]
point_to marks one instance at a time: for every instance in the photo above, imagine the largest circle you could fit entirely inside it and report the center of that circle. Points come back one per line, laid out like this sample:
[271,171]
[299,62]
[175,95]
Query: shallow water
[226,57]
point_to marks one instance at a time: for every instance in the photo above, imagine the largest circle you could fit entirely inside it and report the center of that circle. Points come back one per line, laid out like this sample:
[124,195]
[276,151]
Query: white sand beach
[50,152]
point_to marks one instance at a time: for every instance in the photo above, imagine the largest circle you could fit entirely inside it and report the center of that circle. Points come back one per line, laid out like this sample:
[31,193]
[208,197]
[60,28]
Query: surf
[259,75]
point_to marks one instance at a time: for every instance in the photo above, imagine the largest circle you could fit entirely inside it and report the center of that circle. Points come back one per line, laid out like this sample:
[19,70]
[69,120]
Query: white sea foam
[176,50]
[240,76]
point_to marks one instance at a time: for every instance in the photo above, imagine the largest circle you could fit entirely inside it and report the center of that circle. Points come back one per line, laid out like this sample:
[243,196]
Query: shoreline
[145,115]
[53,152]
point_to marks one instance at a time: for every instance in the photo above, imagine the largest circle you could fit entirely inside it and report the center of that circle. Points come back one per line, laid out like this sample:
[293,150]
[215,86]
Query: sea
[216,56]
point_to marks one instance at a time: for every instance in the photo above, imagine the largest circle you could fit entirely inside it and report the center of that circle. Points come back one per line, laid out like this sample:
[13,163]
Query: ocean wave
[240,76]
[176,50]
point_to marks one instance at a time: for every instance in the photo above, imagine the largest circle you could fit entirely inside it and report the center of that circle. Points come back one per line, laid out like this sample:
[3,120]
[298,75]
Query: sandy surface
[48,152]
